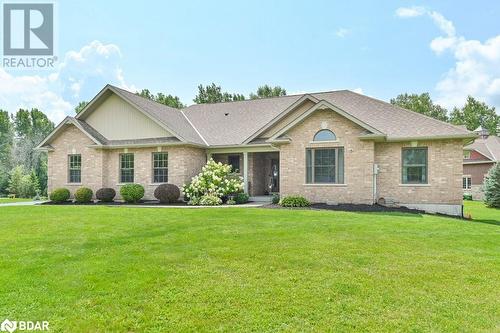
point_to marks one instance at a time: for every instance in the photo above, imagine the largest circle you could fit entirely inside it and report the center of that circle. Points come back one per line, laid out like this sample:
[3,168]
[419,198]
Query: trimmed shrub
[105,194]
[276,199]
[241,198]
[132,192]
[467,196]
[294,201]
[167,193]
[210,200]
[491,187]
[83,195]
[59,195]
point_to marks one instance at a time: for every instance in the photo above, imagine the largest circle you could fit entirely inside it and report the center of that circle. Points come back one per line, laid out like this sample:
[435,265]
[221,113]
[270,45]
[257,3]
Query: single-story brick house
[479,157]
[334,147]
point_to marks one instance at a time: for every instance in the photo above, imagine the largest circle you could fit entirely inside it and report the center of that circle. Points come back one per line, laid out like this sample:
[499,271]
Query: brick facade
[100,168]
[358,161]
[444,173]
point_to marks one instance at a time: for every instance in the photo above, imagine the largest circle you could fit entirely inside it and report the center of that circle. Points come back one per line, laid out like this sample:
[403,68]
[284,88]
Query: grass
[480,213]
[11,200]
[97,269]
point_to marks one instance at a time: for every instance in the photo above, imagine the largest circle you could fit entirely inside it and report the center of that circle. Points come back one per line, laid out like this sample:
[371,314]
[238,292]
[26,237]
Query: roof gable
[86,129]
[324,105]
[116,119]
[170,119]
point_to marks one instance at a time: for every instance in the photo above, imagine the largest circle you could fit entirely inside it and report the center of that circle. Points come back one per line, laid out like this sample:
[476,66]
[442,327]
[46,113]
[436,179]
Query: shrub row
[82,195]
[165,193]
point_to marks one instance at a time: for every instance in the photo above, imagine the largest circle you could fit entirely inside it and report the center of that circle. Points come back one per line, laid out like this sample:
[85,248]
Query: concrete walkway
[247,205]
[34,203]
[22,203]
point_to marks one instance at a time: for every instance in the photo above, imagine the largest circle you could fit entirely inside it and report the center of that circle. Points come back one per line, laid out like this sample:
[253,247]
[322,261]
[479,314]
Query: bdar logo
[8,326]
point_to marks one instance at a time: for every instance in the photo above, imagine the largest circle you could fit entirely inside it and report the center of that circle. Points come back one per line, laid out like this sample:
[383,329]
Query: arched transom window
[324,135]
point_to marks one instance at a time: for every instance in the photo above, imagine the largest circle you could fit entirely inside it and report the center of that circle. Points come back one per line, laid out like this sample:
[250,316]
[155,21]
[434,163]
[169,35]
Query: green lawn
[10,200]
[97,269]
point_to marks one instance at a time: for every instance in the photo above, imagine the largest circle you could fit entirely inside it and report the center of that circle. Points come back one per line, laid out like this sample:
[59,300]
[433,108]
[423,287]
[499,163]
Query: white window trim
[336,166]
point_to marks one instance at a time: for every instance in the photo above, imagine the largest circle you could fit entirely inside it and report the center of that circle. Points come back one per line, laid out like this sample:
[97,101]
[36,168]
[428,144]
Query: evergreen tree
[491,187]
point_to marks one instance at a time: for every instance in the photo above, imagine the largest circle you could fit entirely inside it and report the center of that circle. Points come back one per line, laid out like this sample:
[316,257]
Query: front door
[274,183]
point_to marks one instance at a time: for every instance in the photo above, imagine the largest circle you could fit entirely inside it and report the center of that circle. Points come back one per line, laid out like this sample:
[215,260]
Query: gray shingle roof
[391,120]
[246,117]
[489,147]
[231,123]
[91,131]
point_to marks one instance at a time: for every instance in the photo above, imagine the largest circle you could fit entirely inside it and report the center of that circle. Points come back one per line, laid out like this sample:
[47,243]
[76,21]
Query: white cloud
[476,68]
[342,32]
[358,90]
[410,11]
[79,76]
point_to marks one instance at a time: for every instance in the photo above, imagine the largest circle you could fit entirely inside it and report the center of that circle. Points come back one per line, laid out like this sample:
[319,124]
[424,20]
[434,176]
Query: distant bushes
[132,193]
[83,195]
[294,201]
[59,195]
[105,194]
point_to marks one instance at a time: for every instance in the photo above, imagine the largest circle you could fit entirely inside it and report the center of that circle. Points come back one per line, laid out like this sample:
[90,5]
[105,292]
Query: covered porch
[259,168]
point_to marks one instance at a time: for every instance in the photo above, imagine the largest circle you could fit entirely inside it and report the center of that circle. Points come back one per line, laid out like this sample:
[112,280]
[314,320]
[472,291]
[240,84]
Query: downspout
[375,173]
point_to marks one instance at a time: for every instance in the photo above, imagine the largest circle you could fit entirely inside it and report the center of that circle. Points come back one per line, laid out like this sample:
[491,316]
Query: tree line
[23,171]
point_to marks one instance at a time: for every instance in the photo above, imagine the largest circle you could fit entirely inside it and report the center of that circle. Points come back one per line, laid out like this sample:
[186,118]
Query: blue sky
[381,48]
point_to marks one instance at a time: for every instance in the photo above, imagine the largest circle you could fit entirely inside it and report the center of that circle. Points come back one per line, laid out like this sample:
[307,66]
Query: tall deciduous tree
[214,94]
[268,91]
[422,104]
[6,144]
[81,106]
[168,100]
[474,114]
[31,127]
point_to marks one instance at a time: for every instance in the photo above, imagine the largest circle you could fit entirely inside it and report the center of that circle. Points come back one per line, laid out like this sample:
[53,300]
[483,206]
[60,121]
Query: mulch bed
[116,203]
[354,208]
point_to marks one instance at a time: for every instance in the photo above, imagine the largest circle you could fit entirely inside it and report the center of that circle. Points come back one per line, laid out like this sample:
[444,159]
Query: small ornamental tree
[491,187]
[214,180]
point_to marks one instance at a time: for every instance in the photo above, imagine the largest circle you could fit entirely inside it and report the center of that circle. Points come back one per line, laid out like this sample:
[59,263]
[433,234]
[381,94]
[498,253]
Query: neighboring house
[334,147]
[479,157]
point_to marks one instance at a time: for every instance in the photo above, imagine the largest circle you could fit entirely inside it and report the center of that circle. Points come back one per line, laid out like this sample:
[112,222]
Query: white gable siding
[118,120]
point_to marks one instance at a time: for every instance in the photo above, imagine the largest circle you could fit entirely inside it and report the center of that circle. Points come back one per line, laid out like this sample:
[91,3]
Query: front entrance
[263,178]
[263,173]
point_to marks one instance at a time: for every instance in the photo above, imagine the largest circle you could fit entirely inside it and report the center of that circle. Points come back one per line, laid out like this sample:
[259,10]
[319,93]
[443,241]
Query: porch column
[245,171]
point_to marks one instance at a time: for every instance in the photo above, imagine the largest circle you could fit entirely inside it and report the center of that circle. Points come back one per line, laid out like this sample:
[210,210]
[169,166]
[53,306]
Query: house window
[160,167]
[126,168]
[466,182]
[325,135]
[325,166]
[467,155]
[414,165]
[75,168]
[234,162]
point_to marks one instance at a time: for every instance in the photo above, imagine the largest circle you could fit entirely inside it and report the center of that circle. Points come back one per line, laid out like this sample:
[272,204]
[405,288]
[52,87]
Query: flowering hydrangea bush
[214,180]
